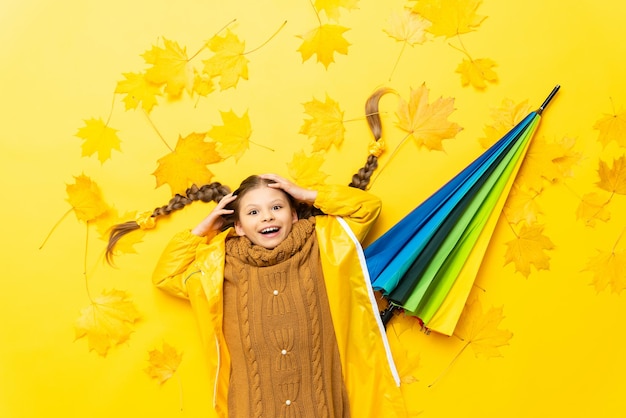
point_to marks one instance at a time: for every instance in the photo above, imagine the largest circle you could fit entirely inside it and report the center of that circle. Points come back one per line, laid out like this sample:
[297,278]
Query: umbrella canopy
[427,262]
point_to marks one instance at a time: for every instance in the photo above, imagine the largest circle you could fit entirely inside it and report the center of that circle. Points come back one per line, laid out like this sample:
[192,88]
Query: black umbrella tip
[548,99]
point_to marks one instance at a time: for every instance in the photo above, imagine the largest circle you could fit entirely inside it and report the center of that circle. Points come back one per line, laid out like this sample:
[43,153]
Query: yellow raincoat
[193,267]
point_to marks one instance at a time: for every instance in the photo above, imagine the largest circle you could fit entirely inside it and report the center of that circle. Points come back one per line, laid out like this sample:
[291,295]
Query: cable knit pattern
[279,331]
[316,327]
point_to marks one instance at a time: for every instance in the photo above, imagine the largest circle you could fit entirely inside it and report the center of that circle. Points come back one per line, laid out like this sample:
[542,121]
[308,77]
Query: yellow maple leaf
[324,41]
[427,122]
[613,179]
[326,124]
[233,137]
[450,17]
[504,118]
[521,205]
[477,72]
[108,321]
[568,158]
[612,128]
[479,329]
[540,164]
[85,198]
[138,89]
[331,7]
[163,364]
[229,62]
[400,332]
[187,164]
[306,169]
[100,138]
[202,84]
[170,67]
[609,269]
[592,208]
[528,248]
[407,27]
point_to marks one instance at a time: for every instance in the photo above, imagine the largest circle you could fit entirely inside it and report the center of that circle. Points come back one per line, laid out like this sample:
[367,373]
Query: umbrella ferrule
[548,99]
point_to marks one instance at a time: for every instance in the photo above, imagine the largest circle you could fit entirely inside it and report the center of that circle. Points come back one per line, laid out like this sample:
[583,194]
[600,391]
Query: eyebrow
[271,203]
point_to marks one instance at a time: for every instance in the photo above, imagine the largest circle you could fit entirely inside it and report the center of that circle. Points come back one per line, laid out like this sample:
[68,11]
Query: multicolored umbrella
[426,263]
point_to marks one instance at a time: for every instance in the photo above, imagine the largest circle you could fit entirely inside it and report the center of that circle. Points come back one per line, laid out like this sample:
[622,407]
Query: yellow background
[60,63]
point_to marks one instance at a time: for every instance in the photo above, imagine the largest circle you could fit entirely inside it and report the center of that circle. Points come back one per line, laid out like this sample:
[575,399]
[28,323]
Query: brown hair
[216,191]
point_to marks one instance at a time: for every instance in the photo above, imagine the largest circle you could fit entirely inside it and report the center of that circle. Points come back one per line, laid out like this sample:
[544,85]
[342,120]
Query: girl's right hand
[214,220]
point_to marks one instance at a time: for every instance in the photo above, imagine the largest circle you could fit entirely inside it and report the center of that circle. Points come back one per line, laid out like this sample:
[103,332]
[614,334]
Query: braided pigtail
[147,220]
[361,179]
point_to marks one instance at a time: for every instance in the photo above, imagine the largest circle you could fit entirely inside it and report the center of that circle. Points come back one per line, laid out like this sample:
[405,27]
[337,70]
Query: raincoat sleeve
[175,265]
[358,208]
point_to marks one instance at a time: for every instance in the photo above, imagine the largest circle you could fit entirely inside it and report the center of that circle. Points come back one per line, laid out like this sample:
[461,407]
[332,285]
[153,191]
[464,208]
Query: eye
[253,212]
[277,207]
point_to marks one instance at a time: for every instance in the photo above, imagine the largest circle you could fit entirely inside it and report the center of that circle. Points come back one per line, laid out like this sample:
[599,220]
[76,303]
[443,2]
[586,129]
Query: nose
[268,215]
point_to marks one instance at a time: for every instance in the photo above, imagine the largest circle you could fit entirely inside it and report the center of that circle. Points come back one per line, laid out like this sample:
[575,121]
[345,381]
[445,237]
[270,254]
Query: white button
[284,352]
[275,292]
[287,402]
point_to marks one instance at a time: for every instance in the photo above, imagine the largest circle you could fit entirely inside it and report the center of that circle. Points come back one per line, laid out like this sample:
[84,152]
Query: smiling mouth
[269,230]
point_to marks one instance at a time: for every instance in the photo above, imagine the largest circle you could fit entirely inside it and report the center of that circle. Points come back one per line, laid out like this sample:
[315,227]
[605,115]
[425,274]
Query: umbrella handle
[387,313]
[548,99]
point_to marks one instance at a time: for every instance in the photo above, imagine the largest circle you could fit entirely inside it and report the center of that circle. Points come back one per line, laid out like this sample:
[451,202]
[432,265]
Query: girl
[286,312]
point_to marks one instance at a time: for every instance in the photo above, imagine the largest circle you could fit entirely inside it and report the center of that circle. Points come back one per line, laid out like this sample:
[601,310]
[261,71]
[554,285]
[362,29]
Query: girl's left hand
[299,193]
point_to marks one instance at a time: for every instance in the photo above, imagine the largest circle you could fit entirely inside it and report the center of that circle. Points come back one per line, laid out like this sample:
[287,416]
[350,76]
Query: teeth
[269,230]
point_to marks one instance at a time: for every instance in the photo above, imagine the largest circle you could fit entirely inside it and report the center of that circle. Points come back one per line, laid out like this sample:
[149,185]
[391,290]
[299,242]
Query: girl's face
[265,216]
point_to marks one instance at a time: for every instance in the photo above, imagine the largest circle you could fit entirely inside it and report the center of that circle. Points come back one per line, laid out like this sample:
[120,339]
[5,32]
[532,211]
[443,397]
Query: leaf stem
[55,227]
[267,41]
[317,14]
[462,49]
[157,130]
[449,365]
[395,65]
[205,44]
[395,151]
[263,146]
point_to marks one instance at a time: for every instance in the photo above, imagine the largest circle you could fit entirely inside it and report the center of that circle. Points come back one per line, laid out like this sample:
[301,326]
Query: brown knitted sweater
[279,331]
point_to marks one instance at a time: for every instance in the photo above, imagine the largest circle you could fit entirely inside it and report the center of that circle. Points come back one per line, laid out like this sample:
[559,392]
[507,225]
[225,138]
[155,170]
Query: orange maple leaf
[504,118]
[609,269]
[85,198]
[479,329]
[592,208]
[528,248]
[187,164]
[331,7]
[324,41]
[233,137]
[100,138]
[521,205]
[427,123]
[326,124]
[306,169]
[612,128]
[170,67]
[229,62]
[450,17]
[108,321]
[138,89]
[613,179]
[477,72]
[163,364]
